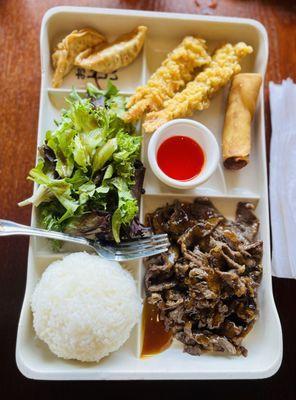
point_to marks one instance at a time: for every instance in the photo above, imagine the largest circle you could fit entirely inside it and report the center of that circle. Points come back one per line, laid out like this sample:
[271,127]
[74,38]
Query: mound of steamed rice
[85,307]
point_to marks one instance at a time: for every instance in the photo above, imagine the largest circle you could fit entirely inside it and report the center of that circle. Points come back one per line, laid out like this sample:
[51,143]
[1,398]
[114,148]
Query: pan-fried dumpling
[107,58]
[73,44]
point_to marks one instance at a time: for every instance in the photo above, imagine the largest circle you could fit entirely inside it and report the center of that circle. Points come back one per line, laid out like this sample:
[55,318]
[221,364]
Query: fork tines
[145,247]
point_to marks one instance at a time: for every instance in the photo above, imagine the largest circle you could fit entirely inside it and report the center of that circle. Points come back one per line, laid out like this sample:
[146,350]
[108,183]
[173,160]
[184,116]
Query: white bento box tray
[225,188]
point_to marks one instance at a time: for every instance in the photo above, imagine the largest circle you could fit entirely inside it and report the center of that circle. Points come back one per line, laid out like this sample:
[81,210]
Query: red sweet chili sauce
[180,158]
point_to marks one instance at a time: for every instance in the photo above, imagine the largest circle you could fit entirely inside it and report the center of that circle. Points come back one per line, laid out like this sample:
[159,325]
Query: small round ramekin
[200,134]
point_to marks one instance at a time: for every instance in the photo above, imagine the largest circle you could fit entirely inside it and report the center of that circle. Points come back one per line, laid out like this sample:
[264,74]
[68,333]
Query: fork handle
[10,228]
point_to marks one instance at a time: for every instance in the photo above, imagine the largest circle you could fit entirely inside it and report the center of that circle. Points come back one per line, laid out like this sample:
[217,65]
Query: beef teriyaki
[205,285]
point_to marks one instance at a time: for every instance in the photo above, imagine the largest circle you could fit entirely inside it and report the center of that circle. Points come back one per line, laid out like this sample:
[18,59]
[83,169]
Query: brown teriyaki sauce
[155,337]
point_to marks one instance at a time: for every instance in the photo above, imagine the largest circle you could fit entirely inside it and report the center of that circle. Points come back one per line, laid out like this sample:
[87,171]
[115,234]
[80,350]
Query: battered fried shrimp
[173,74]
[196,95]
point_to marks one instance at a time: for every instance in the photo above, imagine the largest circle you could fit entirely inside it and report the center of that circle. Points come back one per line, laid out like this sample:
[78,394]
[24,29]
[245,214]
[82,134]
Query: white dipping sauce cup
[194,130]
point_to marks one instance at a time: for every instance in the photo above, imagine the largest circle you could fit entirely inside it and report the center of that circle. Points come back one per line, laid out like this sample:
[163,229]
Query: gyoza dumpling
[73,44]
[111,57]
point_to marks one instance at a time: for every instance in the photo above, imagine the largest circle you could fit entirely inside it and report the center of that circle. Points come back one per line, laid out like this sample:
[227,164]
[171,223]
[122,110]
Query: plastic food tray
[225,188]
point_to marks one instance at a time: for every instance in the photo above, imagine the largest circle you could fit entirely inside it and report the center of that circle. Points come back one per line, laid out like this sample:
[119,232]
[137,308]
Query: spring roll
[242,99]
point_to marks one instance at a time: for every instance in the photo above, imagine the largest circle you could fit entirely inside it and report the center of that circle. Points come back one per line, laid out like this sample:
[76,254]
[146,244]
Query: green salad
[89,174]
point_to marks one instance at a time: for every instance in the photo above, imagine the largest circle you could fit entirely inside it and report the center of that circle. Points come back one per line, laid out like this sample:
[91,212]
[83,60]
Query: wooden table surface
[20,81]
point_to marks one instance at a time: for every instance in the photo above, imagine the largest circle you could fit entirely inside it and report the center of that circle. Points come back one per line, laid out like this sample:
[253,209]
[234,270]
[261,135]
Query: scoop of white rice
[85,307]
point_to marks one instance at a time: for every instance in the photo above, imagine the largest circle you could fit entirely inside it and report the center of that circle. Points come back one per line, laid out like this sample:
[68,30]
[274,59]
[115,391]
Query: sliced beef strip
[234,281]
[210,342]
[222,259]
[203,209]
[230,329]
[181,268]
[205,285]
[253,250]
[210,318]
[247,220]
[155,298]
[158,218]
[230,233]
[194,234]
[193,350]
[159,270]
[245,309]
[174,318]
[163,262]
[172,219]
[180,220]
[173,299]
[156,282]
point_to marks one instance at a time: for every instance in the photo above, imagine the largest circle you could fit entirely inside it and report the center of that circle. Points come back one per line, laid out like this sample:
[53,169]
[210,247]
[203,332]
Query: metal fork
[124,251]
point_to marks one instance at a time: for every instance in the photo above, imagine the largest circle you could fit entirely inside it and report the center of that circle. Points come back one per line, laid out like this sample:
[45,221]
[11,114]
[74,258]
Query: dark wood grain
[20,80]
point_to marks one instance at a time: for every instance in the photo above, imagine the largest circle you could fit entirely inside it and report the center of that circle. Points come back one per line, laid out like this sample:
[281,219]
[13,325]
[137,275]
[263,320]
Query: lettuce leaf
[60,188]
[81,113]
[128,151]
[127,207]
[60,141]
[104,154]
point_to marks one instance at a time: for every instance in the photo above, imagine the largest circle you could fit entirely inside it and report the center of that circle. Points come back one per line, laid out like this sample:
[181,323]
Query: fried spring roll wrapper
[242,99]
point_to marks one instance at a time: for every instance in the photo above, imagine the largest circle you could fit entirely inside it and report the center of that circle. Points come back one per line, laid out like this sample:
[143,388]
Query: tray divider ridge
[144,76]
[223,180]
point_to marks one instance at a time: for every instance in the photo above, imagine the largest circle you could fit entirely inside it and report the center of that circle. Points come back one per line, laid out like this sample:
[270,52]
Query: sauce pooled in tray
[155,338]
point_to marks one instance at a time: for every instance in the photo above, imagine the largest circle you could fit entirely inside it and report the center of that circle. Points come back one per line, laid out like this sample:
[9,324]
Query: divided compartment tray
[224,188]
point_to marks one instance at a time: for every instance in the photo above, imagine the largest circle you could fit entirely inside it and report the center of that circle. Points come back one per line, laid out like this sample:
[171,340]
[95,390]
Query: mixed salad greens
[89,173]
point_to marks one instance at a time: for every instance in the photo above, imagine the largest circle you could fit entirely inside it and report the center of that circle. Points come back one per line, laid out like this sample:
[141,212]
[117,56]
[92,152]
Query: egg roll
[236,140]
